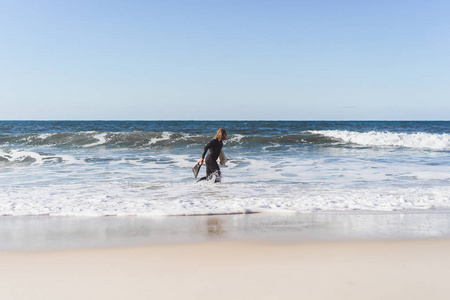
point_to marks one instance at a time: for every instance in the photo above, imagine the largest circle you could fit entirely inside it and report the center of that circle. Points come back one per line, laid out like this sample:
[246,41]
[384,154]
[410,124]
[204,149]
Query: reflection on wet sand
[214,227]
[51,232]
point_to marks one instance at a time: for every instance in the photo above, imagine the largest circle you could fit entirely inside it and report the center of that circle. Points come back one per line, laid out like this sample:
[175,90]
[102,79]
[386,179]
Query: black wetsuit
[212,168]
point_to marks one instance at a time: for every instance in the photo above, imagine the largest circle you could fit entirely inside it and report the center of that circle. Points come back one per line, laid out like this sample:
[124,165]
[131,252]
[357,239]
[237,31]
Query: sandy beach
[375,256]
[414,269]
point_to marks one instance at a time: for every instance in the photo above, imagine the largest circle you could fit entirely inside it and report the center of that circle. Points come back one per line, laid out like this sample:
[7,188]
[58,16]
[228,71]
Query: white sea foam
[235,138]
[186,199]
[428,175]
[165,136]
[20,156]
[43,136]
[272,146]
[419,140]
[16,157]
[101,139]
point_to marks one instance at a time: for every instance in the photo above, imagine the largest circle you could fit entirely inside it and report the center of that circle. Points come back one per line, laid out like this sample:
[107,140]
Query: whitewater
[143,168]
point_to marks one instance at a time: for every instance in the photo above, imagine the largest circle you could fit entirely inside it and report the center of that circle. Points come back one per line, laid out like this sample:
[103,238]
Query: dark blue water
[205,127]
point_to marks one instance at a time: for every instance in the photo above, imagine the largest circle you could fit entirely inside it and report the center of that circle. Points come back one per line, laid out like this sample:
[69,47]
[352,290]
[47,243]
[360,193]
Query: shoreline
[41,233]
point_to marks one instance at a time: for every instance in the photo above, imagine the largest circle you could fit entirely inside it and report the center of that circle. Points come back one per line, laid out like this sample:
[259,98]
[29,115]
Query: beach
[217,258]
[234,270]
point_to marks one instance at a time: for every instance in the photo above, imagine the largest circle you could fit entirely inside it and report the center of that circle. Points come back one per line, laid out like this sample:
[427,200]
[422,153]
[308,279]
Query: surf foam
[12,156]
[140,199]
[418,140]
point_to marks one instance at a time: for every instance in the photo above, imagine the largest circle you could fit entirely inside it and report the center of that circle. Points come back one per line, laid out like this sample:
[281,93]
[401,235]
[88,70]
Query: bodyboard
[222,158]
[196,169]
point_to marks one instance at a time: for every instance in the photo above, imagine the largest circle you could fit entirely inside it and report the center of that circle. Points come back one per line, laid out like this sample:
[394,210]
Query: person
[214,147]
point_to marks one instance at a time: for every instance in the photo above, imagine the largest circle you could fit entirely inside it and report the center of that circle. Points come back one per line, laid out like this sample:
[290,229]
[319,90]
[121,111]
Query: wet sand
[54,233]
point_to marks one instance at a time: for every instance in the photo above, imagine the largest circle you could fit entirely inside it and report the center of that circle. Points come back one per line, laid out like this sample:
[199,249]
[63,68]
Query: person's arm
[204,152]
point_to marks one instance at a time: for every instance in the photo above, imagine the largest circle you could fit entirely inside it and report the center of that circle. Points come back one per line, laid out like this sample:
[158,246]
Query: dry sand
[412,269]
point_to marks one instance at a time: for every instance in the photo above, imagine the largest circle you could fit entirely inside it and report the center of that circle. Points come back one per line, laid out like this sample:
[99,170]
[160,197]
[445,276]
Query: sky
[224,60]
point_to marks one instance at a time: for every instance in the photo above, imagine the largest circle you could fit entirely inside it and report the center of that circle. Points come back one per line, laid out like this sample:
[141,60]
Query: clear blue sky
[233,60]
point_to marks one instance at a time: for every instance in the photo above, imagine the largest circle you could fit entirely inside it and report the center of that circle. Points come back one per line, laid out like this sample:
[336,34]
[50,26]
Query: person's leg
[209,172]
[212,169]
[215,171]
[201,179]
[218,176]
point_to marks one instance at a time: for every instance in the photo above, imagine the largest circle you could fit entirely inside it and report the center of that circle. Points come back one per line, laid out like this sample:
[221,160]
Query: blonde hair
[221,134]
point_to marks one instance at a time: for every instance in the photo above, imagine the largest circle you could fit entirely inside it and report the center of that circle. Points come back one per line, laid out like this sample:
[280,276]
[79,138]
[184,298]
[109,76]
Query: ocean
[143,168]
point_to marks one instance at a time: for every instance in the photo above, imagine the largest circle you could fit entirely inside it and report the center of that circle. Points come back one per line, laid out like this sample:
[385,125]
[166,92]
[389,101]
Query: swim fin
[196,169]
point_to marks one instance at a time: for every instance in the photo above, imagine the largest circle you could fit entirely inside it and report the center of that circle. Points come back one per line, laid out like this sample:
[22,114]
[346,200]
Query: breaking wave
[16,157]
[166,139]
[141,139]
[420,140]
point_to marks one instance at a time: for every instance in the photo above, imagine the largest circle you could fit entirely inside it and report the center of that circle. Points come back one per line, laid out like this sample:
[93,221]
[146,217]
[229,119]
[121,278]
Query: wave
[139,139]
[11,156]
[166,139]
[16,157]
[420,140]
[90,139]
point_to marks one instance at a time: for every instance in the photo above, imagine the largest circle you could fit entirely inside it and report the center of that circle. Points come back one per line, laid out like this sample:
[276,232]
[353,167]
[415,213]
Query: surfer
[214,146]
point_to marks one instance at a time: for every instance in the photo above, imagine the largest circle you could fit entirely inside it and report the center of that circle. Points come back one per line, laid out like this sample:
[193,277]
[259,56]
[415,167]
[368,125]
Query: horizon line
[222,120]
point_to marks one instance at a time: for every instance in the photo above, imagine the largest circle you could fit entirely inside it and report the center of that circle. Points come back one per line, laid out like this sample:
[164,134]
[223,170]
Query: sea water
[143,168]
